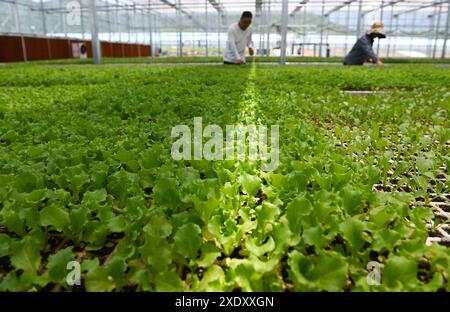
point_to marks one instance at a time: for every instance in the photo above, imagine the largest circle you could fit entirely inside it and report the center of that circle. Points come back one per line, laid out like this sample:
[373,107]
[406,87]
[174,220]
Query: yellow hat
[378,29]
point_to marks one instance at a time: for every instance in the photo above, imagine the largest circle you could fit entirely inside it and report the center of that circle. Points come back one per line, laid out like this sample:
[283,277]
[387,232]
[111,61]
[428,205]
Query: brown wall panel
[126,50]
[70,45]
[57,48]
[60,49]
[129,50]
[117,50]
[138,49]
[37,48]
[145,50]
[89,48]
[10,49]
[111,49]
[106,48]
[134,50]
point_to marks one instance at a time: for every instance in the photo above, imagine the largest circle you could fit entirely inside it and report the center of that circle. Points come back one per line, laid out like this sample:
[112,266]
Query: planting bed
[86,175]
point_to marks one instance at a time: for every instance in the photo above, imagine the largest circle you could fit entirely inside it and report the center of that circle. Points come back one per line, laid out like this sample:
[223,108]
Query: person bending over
[362,51]
[239,37]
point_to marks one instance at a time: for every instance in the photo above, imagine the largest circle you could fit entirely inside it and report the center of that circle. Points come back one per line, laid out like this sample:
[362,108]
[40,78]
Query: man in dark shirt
[362,51]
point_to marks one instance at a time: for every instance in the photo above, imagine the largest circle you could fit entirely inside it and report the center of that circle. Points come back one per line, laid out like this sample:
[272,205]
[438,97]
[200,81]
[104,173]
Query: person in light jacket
[362,51]
[239,38]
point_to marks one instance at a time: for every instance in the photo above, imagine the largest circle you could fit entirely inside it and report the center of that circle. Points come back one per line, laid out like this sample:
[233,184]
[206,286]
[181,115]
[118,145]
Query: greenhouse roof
[225,6]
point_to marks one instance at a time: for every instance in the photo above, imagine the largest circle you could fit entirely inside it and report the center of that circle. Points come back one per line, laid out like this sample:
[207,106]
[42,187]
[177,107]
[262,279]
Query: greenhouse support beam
[305,14]
[96,53]
[258,7]
[217,6]
[207,28]
[179,29]
[82,23]
[44,24]
[133,22]
[63,21]
[359,18]
[269,21]
[397,21]
[381,19]
[384,5]
[422,7]
[412,32]
[193,36]
[322,26]
[150,30]
[284,23]
[128,27]
[437,32]
[219,28]
[108,16]
[22,39]
[158,22]
[149,18]
[447,25]
[260,27]
[258,21]
[153,32]
[337,8]
[118,21]
[432,19]
[348,29]
[390,27]
[297,9]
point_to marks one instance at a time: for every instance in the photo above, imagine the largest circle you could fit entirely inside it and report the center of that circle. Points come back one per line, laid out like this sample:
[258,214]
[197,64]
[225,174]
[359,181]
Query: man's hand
[380,63]
[241,62]
[251,51]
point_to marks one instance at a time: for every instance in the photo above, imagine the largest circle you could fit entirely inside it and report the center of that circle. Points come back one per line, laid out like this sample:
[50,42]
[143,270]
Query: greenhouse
[315,28]
[267,146]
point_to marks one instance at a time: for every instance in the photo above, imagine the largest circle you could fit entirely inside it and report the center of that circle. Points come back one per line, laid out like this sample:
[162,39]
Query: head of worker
[377,31]
[245,20]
